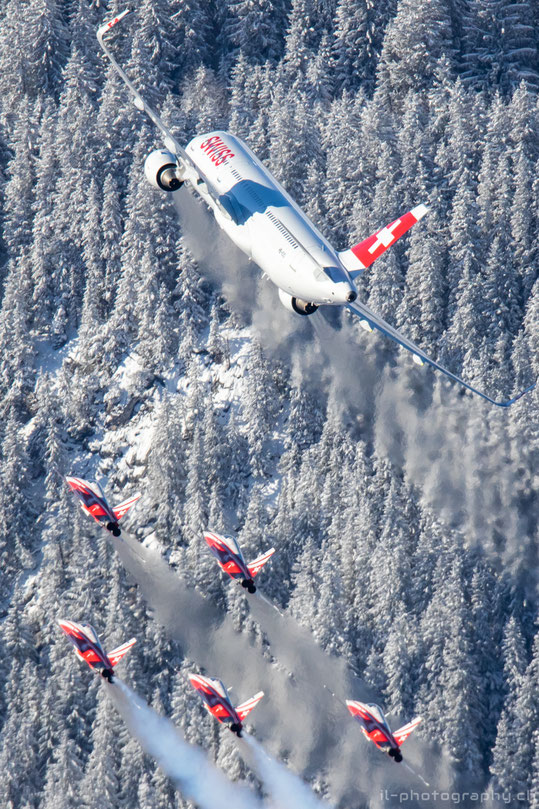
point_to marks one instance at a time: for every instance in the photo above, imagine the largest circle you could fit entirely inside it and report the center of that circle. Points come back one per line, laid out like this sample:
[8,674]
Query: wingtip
[419,211]
[518,396]
[106,26]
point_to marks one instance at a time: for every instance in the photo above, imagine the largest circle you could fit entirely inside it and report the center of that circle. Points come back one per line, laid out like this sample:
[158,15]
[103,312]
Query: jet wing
[376,322]
[220,711]
[90,656]
[378,736]
[91,498]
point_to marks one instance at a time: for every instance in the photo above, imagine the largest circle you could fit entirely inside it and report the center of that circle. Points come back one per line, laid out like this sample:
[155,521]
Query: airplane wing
[402,733]
[246,707]
[192,172]
[122,509]
[170,141]
[376,322]
[256,566]
[362,255]
[116,655]
[90,656]
[220,711]
[76,484]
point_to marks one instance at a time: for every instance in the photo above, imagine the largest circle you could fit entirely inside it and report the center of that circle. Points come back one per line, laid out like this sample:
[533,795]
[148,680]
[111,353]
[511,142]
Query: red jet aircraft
[93,502]
[230,558]
[217,702]
[88,647]
[374,726]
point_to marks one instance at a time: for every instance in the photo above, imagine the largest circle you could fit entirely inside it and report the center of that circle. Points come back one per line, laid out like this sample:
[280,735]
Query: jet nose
[351,296]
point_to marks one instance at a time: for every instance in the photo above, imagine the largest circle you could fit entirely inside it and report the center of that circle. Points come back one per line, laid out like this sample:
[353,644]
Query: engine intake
[162,170]
[296,304]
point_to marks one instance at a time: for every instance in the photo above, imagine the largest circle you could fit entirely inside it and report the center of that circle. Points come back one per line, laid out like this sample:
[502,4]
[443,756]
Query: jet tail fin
[246,707]
[122,509]
[402,733]
[255,567]
[362,255]
[116,655]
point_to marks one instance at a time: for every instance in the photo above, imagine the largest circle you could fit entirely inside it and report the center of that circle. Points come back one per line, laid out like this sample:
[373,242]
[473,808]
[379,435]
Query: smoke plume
[287,789]
[186,765]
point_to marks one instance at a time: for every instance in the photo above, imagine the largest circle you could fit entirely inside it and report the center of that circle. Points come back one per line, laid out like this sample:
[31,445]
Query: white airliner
[266,224]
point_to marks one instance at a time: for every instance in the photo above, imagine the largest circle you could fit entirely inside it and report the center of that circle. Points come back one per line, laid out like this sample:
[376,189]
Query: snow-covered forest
[137,348]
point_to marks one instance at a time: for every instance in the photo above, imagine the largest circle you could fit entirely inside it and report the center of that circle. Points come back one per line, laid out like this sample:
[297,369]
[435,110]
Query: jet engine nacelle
[162,170]
[296,304]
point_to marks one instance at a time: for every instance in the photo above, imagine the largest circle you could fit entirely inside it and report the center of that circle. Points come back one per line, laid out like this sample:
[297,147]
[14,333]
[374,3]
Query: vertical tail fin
[246,707]
[116,655]
[362,255]
[123,508]
[256,566]
[402,733]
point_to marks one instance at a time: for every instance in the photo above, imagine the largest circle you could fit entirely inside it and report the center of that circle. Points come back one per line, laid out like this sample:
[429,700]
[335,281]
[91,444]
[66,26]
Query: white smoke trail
[287,789]
[186,765]
[299,717]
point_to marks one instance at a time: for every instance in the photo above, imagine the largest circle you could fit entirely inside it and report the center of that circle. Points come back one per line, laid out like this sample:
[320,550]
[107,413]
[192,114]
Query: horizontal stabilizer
[123,508]
[402,733]
[246,707]
[116,655]
[362,255]
[256,566]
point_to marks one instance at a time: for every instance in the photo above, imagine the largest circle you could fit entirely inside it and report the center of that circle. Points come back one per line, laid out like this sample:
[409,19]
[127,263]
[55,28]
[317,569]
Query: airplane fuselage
[265,223]
[216,699]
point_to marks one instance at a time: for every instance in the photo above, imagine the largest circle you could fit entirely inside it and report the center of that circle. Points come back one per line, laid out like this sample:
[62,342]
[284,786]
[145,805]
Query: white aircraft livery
[261,218]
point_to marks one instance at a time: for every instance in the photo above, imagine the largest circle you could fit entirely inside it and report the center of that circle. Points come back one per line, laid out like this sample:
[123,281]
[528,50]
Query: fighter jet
[230,559]
[88,647]
[93,501]
[374,726]
[217,702]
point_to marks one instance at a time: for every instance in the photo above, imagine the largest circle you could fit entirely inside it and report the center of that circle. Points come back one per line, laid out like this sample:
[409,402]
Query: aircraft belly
[263,220]
[239,234]
[289,267]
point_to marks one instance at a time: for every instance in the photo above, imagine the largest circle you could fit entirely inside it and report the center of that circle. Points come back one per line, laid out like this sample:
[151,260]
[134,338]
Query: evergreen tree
[256,28]
[417,38]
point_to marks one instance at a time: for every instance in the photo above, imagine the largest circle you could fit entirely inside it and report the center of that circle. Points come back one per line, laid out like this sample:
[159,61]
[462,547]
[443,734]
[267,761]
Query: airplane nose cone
[351,296]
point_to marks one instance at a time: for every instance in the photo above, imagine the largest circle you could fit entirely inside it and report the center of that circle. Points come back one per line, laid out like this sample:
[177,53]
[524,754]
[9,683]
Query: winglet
[111,23]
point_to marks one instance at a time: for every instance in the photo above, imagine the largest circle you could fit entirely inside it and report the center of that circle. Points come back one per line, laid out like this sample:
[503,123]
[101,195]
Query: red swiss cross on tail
[362,255]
